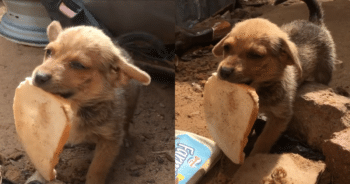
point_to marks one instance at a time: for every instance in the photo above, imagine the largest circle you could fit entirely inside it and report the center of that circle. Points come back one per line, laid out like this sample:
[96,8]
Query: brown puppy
[275,61]
[83,65]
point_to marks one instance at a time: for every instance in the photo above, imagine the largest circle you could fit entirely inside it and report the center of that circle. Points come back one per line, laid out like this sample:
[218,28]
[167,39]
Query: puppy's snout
[42,78]
[225,72]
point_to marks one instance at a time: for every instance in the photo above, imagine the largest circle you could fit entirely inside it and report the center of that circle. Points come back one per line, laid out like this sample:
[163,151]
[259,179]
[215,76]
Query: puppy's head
[82,63]
[255,51]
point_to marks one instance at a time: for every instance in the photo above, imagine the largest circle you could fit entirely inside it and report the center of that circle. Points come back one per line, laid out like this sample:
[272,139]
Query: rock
[151,181]
[337,153]
[135,168]
[143,138]
[16,156]
[193,114]
[170,156]
[3,159]
[318,113]
[273,168]
[140,160]
[161,105]
[338,64]
[135,174]
[160,159]
[12,173]
[341,91]
[148,135]
[201,76]
[196,87]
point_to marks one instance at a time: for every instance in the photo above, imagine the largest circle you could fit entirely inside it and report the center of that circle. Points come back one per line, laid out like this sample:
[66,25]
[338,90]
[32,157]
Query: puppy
[275,61]
[98,78]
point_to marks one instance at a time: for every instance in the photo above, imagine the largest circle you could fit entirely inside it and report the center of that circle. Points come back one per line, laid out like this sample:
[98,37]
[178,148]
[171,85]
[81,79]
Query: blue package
[193,157]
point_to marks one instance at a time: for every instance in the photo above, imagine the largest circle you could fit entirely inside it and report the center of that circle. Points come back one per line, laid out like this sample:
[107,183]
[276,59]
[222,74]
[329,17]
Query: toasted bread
[42,124]
[230,110]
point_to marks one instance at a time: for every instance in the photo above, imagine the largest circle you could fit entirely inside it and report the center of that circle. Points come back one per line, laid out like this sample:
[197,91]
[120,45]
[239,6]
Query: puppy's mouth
[65,95]
[57,91]
[249,82]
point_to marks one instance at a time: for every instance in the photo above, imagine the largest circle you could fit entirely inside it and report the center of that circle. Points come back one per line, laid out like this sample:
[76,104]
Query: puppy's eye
[226,48]
[77,65]
[253,55]
[48,52]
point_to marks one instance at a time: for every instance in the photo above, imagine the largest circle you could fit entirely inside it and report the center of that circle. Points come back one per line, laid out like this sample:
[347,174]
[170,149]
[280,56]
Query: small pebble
[140,160]
[135,174]
[160,160]
[170,156]
[196,87]
[151,181]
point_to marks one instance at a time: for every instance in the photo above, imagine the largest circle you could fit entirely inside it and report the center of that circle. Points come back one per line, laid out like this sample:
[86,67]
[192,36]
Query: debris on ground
[337,153]
[278,168]
[318,113]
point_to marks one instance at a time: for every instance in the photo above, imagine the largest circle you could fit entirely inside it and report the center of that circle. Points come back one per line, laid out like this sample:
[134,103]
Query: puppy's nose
[225,72]
[41,78]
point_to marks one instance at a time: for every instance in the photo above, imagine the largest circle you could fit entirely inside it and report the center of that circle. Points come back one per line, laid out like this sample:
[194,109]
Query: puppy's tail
[315,12]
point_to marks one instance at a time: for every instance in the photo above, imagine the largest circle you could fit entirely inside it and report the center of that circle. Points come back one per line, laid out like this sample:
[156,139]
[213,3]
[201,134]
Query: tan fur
[266,57]
[103,93]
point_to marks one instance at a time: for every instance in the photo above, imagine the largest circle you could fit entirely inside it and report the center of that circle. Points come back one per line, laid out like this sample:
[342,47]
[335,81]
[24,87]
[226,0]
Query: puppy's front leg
[105,153]
[274,127]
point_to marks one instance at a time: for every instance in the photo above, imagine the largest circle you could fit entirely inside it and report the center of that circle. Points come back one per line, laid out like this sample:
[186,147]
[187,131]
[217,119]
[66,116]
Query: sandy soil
[191,75]
[149,158]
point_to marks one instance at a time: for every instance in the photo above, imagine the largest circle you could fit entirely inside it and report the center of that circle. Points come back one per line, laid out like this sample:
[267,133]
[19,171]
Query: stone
[318,113]
[3,159]
[140,160]
[161,105]
[196,87]
[12,173]
[135,174]
[275,168]
[337,153]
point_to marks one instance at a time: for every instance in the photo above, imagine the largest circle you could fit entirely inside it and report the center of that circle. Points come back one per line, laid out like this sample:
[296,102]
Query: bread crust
[233,99]
[32,121]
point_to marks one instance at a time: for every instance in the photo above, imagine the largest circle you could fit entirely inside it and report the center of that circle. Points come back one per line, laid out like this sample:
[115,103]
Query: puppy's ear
[53,30]
[125,71]
[218,49]
[289,54]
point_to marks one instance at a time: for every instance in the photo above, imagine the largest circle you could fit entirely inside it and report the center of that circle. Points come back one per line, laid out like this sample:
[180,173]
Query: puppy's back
[315,45]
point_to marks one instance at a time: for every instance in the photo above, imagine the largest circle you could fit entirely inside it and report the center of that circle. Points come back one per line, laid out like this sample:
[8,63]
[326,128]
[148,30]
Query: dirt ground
[148,160]
[191,75]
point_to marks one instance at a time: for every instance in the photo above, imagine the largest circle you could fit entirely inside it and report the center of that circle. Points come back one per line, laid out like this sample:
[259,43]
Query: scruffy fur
[276,61]
[98,78]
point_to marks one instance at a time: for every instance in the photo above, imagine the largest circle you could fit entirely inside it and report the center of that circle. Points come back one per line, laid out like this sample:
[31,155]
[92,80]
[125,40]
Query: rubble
[318,113]
[275,168]
[337,152]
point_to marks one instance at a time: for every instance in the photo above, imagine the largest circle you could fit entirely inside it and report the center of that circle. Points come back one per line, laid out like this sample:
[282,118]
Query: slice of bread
[230,110]
[42,124]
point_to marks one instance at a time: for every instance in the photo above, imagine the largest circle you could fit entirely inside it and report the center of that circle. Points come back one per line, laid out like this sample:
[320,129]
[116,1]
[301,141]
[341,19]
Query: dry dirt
[149,158]
[191,75]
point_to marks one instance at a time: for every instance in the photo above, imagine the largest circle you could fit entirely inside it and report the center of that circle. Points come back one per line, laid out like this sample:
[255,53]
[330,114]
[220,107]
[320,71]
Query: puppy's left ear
[218,49]
[126,71]
[53,30]
[289,54]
